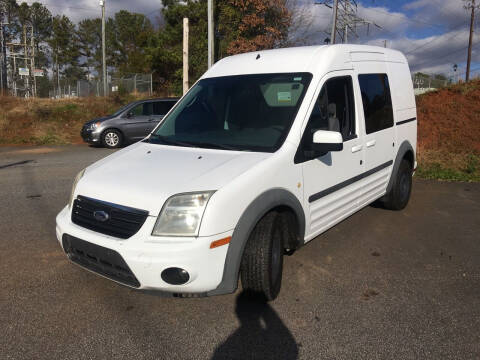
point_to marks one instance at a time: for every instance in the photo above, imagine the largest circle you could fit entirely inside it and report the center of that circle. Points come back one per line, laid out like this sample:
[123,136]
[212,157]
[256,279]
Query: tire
[112,138]
[399,195]
[262,262]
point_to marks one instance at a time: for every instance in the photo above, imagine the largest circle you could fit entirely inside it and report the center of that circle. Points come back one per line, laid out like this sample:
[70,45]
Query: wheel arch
[113,128]
[280,200]
[405,151]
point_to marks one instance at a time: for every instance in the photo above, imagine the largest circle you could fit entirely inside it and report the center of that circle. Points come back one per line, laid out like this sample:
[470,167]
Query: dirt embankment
[45,121]
[449,119]
[448,132]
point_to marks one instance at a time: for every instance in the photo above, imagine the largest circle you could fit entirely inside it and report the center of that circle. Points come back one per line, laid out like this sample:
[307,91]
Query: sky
[433,34]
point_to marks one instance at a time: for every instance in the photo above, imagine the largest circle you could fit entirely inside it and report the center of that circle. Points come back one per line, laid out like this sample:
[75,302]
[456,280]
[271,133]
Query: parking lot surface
[380,285]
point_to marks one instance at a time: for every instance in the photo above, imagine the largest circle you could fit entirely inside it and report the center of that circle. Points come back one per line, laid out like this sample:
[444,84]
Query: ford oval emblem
[101,215]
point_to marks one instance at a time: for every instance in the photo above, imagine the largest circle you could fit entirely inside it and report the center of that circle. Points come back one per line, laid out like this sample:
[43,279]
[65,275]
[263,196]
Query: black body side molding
[345,183]
[405,121]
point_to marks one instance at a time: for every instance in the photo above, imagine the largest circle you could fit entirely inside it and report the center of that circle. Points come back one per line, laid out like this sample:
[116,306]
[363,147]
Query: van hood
[144,176]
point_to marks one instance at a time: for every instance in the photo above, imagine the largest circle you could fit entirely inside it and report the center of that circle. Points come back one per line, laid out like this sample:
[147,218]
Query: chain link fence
[134,83]
[423,83]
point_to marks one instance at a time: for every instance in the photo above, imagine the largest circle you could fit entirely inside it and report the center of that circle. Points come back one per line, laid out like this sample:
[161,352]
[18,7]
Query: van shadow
[261,335]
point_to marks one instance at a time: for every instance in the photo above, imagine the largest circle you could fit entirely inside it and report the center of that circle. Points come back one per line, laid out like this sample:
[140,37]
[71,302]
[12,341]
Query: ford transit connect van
[264,153]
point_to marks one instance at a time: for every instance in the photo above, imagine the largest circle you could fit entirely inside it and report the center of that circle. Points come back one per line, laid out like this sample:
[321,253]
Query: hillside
[448,128]
[50,122]
[448,120]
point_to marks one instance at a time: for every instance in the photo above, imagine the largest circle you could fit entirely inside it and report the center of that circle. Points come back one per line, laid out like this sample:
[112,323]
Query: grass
[52,122]
[448,167]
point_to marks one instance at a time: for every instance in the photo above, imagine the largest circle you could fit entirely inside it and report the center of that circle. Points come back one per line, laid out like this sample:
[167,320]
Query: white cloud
[447,13]
[77,10]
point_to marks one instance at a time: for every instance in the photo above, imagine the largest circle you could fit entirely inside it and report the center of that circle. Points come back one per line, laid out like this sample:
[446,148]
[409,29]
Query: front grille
[122,222]
[99,259]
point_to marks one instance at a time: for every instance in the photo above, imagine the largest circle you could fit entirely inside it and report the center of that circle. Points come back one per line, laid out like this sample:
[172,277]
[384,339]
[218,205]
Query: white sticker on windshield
[284,96]
[297,79]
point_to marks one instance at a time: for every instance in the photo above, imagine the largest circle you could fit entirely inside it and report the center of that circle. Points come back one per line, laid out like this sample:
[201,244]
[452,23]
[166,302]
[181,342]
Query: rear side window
[377,102]
[162,107]
[144,109]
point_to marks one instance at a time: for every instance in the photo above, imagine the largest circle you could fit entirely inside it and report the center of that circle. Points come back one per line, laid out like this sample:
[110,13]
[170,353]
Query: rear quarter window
[377,102]
[162,107]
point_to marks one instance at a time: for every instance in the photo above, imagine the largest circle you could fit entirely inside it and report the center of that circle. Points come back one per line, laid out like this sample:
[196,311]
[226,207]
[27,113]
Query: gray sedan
[129,124]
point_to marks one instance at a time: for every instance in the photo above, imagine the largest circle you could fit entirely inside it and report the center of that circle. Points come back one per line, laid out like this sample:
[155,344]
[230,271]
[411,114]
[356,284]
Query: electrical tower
[345,19]
[21,63]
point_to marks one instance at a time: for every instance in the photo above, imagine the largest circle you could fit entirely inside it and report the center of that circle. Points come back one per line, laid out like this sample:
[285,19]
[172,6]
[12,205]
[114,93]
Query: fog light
[175,276]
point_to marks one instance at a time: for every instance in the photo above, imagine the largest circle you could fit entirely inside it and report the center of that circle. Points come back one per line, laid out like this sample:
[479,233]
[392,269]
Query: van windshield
[245,112]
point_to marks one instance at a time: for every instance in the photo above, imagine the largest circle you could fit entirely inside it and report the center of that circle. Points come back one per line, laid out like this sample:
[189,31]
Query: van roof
[311,59]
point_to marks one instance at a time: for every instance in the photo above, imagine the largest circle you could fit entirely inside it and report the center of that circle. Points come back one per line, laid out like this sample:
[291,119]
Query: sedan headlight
[94,125]
[75,182]
[182,214]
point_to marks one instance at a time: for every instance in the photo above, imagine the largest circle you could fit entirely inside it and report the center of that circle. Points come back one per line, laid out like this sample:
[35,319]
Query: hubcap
[111,139]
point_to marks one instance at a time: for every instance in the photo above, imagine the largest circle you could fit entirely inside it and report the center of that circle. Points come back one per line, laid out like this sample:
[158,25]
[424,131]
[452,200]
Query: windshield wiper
[215,146]
[167,141]
[205,145]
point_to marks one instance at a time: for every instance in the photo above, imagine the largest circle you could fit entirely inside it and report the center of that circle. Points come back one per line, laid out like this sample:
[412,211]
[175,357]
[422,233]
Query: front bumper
[89,136]
[147,256]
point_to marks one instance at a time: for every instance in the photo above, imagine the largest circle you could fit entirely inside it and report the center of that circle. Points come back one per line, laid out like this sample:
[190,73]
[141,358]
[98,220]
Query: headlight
[75,182]
[93,126]
[182,214]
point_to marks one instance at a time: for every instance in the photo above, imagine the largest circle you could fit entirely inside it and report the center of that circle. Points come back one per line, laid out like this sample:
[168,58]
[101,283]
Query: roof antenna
[258,57]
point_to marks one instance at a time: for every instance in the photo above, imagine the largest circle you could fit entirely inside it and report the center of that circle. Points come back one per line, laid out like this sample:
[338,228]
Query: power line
[444,56]
[418,20]
[452,36]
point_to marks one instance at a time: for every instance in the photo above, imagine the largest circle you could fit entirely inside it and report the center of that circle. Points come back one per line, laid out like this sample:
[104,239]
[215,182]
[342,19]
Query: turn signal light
[220,242]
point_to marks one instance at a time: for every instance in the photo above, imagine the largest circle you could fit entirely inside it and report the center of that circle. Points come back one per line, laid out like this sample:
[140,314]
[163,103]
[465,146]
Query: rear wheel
[112,138]
[399,195]
[262,262]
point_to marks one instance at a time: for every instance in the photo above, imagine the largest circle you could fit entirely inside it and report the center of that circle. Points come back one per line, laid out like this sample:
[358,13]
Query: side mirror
[326,141]
[129,115]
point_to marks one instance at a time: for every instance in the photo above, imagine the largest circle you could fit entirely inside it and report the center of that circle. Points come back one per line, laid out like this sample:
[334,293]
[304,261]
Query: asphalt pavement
[380,285]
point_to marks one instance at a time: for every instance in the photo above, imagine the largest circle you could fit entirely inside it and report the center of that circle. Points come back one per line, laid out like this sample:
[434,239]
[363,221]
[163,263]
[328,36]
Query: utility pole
[185,55]
[32,59]
[3,58]
[470,4]
[104,60]
[334,21]
[210,34]
[3,52]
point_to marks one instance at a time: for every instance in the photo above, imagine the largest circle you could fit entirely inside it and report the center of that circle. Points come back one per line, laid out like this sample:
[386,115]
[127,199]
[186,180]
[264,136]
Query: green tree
[132,35]
[166,48]
[65,48]
[240,26]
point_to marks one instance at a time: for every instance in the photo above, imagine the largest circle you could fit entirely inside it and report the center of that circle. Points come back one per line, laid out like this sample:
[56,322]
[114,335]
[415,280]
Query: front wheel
[262,262]
[112,138]
[399,194]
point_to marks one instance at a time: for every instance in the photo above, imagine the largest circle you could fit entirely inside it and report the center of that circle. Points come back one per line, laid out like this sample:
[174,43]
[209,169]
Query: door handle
[371,143]
[356,148]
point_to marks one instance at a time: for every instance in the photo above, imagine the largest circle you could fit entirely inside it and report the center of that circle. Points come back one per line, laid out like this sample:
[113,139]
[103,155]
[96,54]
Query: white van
[264,153]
